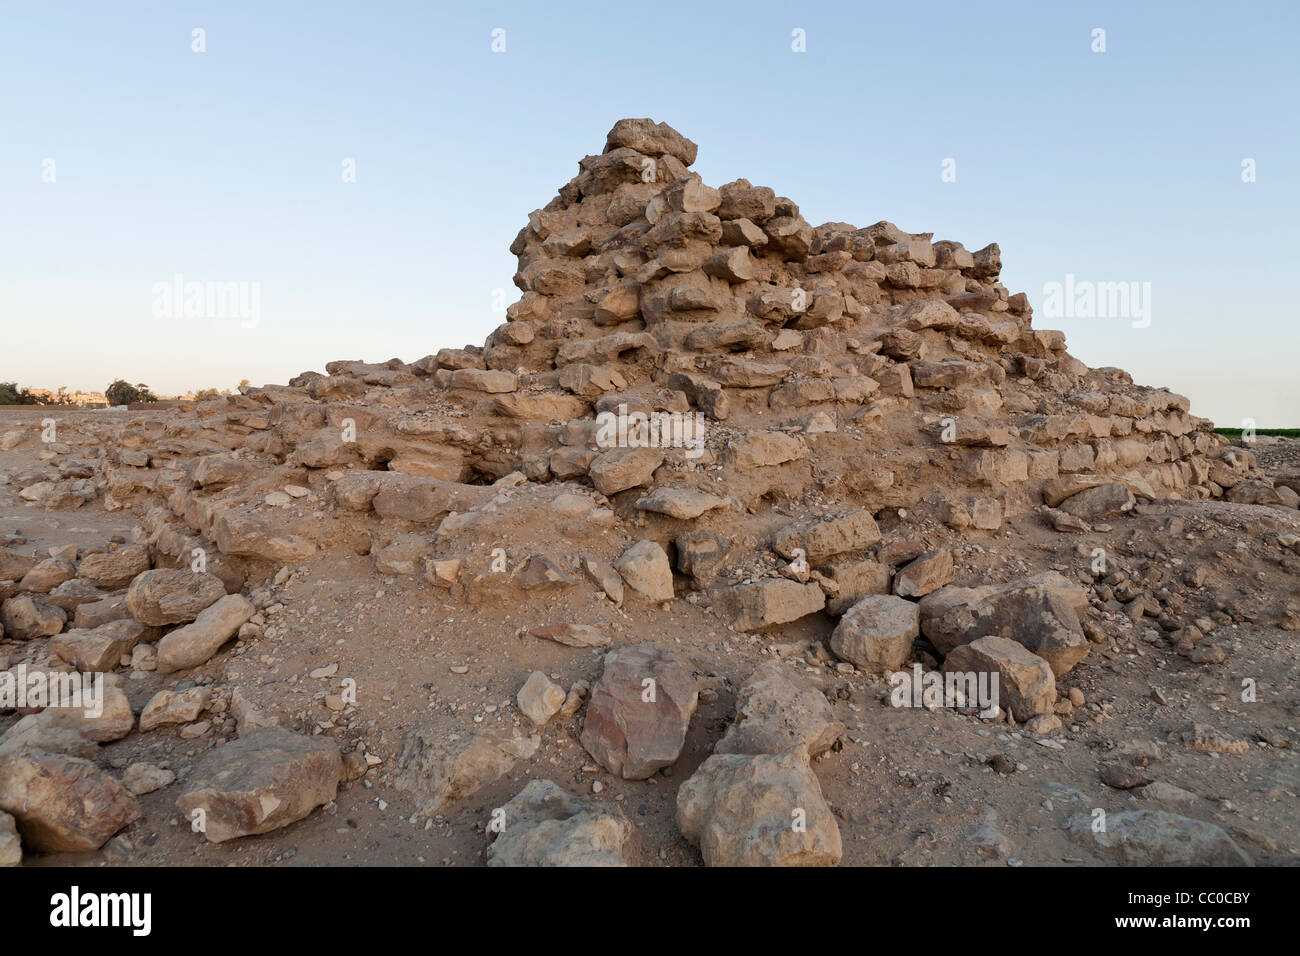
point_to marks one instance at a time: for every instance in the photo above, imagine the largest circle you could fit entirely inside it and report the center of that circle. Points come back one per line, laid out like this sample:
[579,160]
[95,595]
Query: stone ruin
[831,377]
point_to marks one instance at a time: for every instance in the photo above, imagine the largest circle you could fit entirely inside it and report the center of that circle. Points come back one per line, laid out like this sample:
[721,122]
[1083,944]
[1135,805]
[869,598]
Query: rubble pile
[699,397]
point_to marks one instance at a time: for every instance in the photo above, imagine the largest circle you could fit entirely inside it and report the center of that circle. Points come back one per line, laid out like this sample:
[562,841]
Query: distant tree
[12,394]
[122,392]
[243,382]
[204,394]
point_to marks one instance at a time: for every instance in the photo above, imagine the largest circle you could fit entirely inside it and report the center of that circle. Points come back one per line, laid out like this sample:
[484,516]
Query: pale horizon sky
[226,166]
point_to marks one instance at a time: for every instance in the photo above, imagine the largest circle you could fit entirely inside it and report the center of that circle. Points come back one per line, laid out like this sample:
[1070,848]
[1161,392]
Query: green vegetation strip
[1279,432]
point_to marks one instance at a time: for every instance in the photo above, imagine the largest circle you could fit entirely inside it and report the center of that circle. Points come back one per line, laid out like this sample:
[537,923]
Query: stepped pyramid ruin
[871,367]
[700,404]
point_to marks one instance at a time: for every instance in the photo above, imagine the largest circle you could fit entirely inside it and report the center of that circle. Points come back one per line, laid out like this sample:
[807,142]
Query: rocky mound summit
[699,399]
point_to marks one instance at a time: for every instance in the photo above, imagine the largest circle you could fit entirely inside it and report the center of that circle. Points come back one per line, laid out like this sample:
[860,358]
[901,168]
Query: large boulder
[821,538]
[1026,685]
[758,810]
[645,568]
[651,138]
[195,643]
[926,573]
[765,603]
[639,711]
[111,570]
[174,707]
[94,613]
[852,581]
[63,803]
[877,632]
[764,449]
[1102,501]
[259,783]
[777,711]
[111,719]
[48,575]
[101,648]
[1158,838]
[438,769]
[24,618]
[684,503]
[1040,612]
[13,566]
[170,596]
[73,593]
[544,825]
[618,469]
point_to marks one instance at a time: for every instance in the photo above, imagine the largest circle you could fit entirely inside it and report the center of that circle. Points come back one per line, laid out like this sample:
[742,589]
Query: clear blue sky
[226,165]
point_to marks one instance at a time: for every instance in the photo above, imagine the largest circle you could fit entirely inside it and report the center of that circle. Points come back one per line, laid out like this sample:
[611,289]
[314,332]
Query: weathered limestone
[1026,686]
[114,569]
[437,771]
[924,574]
[645,568]
[24,618]
[777,711]
[193,644]
[639,710]
[259,783]
[165,596]
[1040,613]
[877,632]
[547,826]
[820,539]
[766,603]
[63,803]
[744,810]
[101,648]
[540,698]
[1158,838]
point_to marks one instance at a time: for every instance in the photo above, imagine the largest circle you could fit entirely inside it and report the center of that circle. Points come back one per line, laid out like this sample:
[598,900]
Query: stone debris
[1026,685]
[1159,838]
[194,643]
[763,604]
[877,632]
[99,649]
[544,825]
[161,596]
[265,780]
[645,569]
[437,771]
[142,778]
[540,698]
[169,707]
[776,712]
[639,711]
[924,574]
[1041,613]
[63,803]
[758,810]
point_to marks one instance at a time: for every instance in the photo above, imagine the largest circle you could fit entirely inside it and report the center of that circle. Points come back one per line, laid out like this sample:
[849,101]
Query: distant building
[47,396]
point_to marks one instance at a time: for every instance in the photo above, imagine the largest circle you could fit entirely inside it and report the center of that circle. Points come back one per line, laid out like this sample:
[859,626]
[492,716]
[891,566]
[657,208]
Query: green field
[1279,432]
